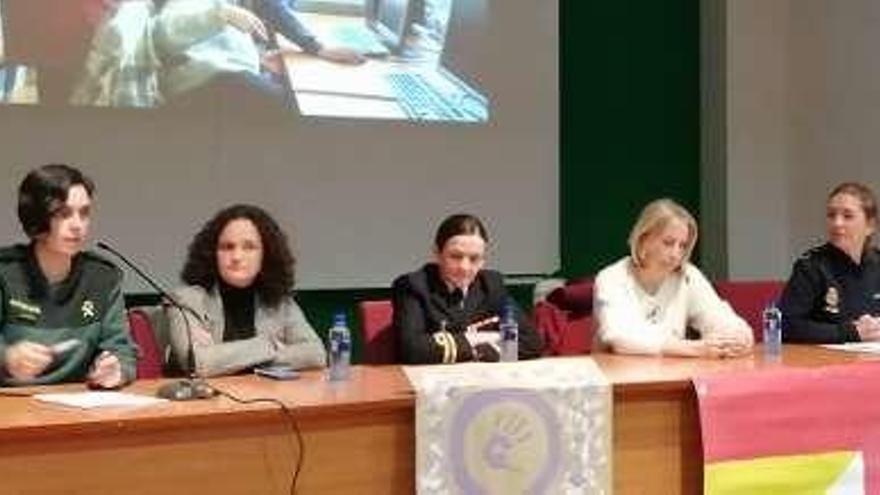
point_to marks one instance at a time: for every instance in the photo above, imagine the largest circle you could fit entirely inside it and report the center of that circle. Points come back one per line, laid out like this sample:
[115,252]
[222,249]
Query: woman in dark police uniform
[62,316]
[833,294]
[448,311]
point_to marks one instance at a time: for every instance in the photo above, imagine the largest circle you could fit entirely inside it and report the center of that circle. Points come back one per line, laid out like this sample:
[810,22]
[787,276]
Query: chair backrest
[377,334]
[565,319]
[749,298]
[150,359]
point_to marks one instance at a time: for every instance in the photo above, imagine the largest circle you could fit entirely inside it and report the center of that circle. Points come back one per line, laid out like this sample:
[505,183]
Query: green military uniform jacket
[87,306]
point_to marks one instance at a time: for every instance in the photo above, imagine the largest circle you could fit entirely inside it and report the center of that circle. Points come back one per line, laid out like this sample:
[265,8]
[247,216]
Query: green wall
[630,133]
[630,120]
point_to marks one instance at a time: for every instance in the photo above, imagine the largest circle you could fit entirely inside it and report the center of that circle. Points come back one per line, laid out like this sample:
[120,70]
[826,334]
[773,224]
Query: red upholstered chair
[149,356]
[749,298]
[377,333]
[565,319]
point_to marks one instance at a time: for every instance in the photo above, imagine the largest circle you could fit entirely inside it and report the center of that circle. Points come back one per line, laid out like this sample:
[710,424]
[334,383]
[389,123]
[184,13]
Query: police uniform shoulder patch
[832,300]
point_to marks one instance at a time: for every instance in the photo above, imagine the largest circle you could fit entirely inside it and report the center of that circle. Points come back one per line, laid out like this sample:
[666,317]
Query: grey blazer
[283,335]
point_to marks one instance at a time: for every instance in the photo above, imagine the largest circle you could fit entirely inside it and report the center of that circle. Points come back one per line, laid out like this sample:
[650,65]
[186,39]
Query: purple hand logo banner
[530,427]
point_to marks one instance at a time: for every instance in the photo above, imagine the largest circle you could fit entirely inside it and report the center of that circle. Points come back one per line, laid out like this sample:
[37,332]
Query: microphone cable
[193,386]
[293,429]
[200,385]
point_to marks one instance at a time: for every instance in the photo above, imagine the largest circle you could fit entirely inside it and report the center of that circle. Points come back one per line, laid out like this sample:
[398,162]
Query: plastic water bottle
[339,342]
[772,322]
[509,330]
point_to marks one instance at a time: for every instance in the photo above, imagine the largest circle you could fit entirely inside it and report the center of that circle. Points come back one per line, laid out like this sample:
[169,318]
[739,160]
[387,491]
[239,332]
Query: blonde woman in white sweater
[646,301]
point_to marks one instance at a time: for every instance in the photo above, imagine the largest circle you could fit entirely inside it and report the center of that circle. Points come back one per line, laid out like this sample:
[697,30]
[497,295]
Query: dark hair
[43,192]
[459,224]
[865,196]
[275,279]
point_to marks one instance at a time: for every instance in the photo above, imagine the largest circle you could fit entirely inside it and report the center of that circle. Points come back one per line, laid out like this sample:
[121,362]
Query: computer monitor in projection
[359,197]
[391,19]
[155,53]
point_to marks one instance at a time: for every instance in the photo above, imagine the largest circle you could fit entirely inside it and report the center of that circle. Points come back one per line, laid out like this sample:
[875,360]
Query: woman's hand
[26,360]
[727,346]
[106,371]
[341,56]
[868,327]
[477,338]
[715,347]
[273,60]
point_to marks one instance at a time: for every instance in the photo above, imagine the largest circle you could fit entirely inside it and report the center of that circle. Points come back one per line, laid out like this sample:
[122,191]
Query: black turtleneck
[238,312]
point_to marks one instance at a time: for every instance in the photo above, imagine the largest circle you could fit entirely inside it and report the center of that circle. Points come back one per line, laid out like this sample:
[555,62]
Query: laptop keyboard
[420,100]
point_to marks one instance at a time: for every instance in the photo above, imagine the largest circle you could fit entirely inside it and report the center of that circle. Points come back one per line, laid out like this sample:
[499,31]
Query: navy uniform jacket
[827,292]
[87,306]
[422,301]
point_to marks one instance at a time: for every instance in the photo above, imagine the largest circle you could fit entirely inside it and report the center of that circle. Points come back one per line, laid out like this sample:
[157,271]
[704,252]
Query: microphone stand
[193,387]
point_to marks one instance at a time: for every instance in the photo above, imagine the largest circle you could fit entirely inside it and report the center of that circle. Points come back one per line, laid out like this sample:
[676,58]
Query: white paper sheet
[342,106]
[90,400]
[868,347]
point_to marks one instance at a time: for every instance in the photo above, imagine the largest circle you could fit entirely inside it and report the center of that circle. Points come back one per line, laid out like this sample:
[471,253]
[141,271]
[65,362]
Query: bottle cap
[507,312]
[339,320]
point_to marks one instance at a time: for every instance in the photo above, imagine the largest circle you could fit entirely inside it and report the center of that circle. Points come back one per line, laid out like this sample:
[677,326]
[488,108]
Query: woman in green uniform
[62,314]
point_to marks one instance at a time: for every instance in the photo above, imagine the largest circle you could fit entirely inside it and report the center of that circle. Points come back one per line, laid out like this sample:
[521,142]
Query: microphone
[193,387]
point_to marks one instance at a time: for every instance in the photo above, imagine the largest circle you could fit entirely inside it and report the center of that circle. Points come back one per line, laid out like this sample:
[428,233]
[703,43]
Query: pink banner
[785,412]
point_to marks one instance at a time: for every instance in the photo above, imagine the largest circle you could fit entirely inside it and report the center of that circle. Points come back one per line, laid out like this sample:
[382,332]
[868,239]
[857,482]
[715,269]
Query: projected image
[419,60]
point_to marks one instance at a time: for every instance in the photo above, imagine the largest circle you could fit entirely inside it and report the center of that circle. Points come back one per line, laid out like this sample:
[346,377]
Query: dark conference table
[359,435]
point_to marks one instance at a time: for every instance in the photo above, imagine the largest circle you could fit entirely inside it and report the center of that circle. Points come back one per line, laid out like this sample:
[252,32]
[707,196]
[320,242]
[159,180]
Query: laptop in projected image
[383,30]
[452,91]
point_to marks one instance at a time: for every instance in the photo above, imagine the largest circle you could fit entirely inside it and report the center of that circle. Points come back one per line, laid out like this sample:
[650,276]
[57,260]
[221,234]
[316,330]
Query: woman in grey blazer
[240,274]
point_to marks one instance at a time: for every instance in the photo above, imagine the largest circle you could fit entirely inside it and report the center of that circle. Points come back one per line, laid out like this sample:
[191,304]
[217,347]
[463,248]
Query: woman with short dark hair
[240,273]
[62,310]
[448,311]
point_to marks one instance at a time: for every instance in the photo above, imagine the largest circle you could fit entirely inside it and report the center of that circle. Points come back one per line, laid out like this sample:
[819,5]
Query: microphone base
[188,389]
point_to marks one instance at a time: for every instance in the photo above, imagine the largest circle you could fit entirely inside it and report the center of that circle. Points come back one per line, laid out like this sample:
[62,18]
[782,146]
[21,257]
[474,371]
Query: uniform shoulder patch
[813,251]
[104,268]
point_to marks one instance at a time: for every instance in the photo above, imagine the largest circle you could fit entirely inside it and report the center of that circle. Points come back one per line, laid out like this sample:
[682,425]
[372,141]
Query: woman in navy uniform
[448,311]
[62,316]
[833,294]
